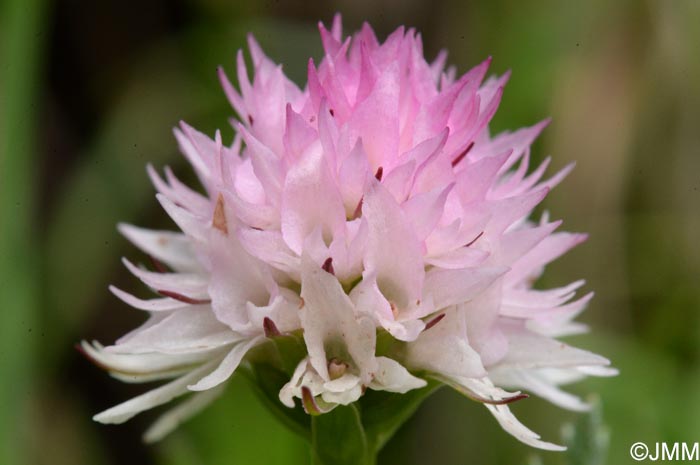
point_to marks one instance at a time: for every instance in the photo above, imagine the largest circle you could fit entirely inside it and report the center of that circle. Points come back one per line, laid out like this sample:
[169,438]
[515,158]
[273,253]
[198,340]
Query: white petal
[237,278]
[304,375]
[176,191]
[562,313]
[266,164]
[445,349]
[424,210]
[517,243]
[510,210]
[391,376]
[597,370]
[190,224]
[227,366]
[310,199]
[536,298]
[135,378]
[151,305]
[291,389]
[530,350]
[173,249]
[283,311]
[354,171]
[344,383]
[328,317]
[536,383]
[141,364]
[269,246]
[159,396]
[465,257]
[511,424]
[170,420]
[184,331]
[551,248]
[557,329]
[404,330]
[369,300]
[393,250]
[483,388]
[189,284]
[186,141]
[450,287]
[346,397]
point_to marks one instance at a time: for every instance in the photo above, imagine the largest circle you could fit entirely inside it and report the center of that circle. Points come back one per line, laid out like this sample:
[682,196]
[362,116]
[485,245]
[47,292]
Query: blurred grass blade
[587,440]
[21,41]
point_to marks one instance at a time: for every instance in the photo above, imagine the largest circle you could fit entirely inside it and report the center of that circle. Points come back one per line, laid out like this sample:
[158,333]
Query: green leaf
[338,438]
[267,381]
[383,413]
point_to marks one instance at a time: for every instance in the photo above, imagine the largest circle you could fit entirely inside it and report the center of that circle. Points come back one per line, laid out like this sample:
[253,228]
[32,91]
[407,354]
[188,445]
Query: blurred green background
[90,91]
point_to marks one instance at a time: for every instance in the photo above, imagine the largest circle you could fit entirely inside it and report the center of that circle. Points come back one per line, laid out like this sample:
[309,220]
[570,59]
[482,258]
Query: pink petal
[393,250]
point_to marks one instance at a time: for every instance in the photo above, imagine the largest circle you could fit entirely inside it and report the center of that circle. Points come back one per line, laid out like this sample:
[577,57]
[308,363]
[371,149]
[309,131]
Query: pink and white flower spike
[370,216]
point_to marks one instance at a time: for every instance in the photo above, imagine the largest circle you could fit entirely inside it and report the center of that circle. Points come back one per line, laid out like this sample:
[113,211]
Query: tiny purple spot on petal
[475,239]
[270,328]
[183,298]
[379,173]
[434,321]
[328,266]
[464,153]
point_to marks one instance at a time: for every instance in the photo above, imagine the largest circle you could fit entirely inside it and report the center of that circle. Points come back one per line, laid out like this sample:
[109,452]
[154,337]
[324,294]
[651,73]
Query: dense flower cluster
[372,204]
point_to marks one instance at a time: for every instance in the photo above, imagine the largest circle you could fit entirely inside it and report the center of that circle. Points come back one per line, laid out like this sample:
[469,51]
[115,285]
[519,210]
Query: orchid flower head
[372,217]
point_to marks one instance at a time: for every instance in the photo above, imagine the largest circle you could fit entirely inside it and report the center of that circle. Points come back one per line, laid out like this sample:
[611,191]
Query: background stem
[21,37]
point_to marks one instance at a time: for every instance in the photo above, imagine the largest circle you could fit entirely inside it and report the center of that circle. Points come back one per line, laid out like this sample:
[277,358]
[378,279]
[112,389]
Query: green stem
[21,40]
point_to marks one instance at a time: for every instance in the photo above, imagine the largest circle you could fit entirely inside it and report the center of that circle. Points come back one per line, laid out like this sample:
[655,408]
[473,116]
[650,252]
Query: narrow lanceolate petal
[170,420]
[151,305]
[154,398]
[364,231]
[184,331]
[173,249]
[511,424]
[227,366]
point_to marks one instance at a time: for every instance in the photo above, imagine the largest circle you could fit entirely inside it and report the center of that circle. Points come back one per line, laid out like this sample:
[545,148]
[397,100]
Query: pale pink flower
[373,201]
